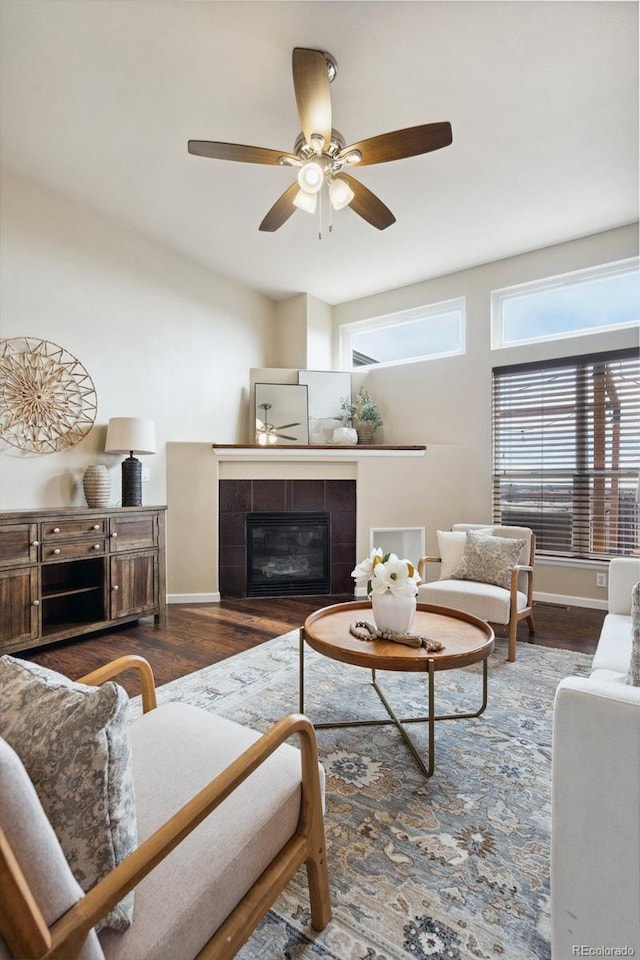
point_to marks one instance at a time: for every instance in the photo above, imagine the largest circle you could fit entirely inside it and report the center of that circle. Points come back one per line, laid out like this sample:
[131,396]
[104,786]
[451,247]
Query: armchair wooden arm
[129,662]
[21,921]
[422,564]
[65,938]
[517,570]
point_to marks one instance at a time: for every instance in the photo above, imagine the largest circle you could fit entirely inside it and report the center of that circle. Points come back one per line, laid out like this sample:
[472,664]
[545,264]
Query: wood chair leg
[319,896]
[532,626]
[513,636]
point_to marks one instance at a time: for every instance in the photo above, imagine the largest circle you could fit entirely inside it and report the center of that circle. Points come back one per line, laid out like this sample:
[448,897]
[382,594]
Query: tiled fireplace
[237,498]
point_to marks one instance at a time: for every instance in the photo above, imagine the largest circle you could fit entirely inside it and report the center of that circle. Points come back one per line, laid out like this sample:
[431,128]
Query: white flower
[364,571]
[381,573]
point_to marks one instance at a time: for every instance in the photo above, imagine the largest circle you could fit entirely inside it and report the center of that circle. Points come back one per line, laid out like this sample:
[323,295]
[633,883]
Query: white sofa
[595,834]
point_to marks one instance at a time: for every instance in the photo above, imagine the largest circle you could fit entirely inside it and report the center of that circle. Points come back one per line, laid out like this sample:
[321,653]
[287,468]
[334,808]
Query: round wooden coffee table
[466,640]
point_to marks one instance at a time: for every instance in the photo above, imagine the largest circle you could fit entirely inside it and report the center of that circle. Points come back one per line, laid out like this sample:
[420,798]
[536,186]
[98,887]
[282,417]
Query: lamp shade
[340,193]
[306,201]
[310,177]
[130,434]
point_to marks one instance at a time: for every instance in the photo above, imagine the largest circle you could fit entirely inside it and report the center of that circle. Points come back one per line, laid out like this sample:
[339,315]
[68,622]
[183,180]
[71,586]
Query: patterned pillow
[488,559]
[633,676]
[73,741]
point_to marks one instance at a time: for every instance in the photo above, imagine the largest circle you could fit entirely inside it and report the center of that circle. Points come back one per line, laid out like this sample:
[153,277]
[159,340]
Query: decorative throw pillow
[633,676]
[488,559]
[73,741]
[450,549]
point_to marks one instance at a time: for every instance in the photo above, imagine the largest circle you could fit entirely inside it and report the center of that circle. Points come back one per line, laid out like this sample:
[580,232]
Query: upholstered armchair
[486,571]
[166,836]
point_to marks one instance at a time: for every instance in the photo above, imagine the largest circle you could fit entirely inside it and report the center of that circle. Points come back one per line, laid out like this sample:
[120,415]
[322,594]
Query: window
[423,333]
[587,301]
[566,436]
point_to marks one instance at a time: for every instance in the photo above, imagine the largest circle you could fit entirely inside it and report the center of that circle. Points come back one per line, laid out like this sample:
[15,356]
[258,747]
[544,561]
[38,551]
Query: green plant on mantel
[366,409]
[347,411]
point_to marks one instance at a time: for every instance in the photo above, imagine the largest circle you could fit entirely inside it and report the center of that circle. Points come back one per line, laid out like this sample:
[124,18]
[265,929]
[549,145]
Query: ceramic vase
[96,484]
[393,613]
[344,435]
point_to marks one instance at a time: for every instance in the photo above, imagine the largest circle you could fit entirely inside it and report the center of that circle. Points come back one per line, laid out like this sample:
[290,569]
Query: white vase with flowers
[392,585]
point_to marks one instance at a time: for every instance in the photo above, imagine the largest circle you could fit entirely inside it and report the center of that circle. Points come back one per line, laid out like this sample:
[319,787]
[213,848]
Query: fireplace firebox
[288,554]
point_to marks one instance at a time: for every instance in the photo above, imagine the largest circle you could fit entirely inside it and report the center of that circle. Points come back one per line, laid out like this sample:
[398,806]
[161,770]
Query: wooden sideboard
[71,571]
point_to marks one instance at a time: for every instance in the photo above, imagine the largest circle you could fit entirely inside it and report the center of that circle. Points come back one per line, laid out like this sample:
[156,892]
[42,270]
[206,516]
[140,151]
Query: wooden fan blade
[367,205]
[313,96]
[238,151]
[410,142]
[281,210]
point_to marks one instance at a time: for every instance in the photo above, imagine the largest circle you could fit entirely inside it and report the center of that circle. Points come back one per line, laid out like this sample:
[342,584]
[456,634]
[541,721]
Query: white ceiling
[99,98]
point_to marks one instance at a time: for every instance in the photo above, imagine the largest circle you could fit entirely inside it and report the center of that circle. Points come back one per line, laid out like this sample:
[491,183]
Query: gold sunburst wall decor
[47,399]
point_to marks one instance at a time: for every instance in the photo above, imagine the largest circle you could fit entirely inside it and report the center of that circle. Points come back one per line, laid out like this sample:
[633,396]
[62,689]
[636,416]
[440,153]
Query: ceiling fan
[267,433]
[320,153]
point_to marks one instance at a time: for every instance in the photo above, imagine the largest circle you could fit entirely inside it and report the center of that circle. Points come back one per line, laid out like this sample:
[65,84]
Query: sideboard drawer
[133,532]
[72,551]
[64,529]
[18,544]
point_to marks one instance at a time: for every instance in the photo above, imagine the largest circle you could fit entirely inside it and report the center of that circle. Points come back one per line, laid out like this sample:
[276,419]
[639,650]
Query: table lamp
[131,435]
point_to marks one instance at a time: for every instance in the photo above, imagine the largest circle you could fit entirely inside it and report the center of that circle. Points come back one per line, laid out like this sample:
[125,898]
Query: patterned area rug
[455,867]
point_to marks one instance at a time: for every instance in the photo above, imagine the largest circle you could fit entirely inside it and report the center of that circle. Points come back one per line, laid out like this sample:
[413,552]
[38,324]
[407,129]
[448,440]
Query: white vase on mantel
[96,484]
[346,436]
[393,613]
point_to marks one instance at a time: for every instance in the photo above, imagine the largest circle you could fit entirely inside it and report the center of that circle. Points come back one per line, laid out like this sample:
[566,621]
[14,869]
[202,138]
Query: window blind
[566,452]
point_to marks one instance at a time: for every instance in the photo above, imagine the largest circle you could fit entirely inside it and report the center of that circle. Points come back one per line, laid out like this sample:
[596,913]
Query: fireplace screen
[287,554]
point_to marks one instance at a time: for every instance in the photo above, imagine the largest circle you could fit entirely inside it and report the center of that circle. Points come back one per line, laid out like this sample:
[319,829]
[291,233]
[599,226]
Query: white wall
[165,338]
[448,401]
[160,336]
[304,333]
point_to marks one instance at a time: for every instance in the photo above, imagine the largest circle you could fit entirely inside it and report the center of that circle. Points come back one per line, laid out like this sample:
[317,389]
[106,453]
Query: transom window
[566,452]
[586,301]
[422,333]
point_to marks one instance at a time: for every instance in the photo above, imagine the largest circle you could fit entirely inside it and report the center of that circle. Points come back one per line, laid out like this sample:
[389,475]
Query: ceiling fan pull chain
[320,215]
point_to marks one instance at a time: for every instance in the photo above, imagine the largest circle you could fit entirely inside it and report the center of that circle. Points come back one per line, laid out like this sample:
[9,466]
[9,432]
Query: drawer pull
[57,551]
[114,534]
[96,546]
[36,603]
[35,543]
[96,526]
[56,529]
[115,588]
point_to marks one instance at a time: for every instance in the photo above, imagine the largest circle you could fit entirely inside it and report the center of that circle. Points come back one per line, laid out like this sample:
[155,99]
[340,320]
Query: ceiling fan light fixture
[317,142]
[306,201]
[310,177]
[340,194]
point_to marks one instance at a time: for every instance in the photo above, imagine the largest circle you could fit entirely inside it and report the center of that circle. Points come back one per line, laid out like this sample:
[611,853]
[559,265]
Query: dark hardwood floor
[197,635]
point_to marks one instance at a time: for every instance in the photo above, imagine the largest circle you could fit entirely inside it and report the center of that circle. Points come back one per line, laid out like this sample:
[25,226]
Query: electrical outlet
[601,579]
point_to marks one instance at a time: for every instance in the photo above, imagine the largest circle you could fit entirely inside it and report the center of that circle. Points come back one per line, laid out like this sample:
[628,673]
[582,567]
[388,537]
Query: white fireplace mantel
[398,487]
[298,452]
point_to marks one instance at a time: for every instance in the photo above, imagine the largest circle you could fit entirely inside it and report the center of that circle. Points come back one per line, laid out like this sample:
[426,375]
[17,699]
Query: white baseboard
[564,601]
[556,598]
[193,598]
